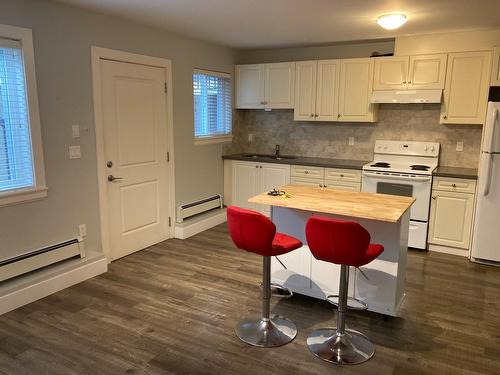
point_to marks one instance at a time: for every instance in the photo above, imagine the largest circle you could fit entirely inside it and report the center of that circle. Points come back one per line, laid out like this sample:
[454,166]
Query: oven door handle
[400,178]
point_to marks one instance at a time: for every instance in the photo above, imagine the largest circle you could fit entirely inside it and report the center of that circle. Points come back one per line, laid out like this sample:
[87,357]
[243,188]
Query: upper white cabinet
[316,90]
[355,90]
[467,86]
[495,73]
[265,86]
[390,73]
[250,86]
[410,72]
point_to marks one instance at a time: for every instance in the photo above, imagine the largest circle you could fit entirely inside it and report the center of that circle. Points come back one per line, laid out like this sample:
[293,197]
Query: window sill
[12,197]
[212,140]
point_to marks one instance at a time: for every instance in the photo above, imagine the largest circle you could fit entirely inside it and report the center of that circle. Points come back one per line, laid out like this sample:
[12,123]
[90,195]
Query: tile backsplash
[411,122]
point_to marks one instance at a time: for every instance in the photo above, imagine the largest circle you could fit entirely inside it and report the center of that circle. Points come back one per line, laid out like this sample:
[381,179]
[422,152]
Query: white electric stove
[405,168]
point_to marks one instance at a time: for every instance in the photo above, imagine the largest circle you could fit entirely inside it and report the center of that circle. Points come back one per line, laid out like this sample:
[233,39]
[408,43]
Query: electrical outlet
[250,137]
[82,228]
[75,152]
[460,146]
[351,141]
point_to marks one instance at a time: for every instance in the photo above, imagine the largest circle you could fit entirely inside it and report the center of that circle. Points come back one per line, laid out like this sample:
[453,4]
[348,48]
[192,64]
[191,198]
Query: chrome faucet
[277,150]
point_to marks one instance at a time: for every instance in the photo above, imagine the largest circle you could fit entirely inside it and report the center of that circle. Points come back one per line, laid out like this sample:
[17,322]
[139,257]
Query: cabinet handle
[445,117]
[409,82]
[453,185]
[306,172]
[320,185]
[434,197]
[404,82]
[316,115]
[260,167]
[338,116]
[341,175]
[256,166]
[312,114]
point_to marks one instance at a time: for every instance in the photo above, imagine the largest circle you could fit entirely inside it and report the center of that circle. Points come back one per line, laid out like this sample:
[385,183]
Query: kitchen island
[386,217]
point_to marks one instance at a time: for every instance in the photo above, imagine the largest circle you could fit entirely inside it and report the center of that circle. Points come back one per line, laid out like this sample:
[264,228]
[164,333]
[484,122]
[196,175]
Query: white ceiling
[273,23]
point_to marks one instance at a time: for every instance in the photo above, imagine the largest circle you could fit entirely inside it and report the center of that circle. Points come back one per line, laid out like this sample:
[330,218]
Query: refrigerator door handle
[487,183]
[493,128]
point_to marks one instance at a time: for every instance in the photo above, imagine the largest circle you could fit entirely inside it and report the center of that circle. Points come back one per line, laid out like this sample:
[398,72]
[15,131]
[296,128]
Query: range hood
[407,96]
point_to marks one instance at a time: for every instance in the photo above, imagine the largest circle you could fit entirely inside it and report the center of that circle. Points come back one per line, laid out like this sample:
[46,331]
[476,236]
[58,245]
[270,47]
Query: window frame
[213,139]
[39,189]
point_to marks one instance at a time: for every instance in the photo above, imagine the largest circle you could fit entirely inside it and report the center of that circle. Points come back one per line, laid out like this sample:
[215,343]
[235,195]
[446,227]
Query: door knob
[112,178]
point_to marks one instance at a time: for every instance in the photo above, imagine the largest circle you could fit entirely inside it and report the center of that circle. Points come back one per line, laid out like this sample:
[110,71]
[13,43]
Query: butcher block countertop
[380,207]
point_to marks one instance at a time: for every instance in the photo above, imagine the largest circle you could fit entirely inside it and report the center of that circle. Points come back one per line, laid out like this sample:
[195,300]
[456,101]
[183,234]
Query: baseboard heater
[40,258]
[197,207]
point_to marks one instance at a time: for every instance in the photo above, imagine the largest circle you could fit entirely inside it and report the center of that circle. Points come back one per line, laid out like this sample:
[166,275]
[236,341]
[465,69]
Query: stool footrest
[352,303]
[278,290]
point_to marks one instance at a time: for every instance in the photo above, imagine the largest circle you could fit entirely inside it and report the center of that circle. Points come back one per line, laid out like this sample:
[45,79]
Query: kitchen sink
[269,156]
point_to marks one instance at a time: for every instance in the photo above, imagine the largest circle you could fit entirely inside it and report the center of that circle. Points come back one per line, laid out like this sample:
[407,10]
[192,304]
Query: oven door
[403,185]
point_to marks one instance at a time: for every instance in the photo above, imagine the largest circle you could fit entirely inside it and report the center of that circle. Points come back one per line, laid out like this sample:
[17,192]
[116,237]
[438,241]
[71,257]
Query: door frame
[98,54]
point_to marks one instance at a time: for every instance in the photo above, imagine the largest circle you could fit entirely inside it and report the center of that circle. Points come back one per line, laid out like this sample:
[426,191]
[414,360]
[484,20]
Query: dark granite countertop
[457,172]
[299,160]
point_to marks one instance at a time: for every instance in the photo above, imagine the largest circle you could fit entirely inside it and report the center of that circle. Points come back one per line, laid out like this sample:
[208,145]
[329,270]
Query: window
[21,161]
[212,107]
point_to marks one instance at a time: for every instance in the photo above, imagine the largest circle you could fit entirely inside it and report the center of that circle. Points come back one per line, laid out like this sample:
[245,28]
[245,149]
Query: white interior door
[135,149]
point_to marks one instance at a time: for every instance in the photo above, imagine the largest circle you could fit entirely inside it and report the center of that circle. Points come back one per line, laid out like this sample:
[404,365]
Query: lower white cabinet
[452,209]
[248,179]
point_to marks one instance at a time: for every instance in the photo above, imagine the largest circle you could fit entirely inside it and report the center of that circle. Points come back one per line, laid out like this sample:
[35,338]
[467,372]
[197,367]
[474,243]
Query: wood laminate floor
[172,308]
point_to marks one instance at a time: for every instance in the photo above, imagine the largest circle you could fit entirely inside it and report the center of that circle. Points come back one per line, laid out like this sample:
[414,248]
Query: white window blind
[212,104]
[16,160]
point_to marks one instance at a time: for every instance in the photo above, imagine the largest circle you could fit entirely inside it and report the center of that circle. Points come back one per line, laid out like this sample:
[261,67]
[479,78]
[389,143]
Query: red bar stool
[253,232]
[348,244]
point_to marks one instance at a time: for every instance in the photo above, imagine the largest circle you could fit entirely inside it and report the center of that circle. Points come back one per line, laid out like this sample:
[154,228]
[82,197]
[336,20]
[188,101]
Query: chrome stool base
[276,331]
[351,348]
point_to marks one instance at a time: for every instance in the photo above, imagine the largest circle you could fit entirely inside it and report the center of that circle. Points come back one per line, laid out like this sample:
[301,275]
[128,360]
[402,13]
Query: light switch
[75,152]
[460,146]
[351,141]
[75,131]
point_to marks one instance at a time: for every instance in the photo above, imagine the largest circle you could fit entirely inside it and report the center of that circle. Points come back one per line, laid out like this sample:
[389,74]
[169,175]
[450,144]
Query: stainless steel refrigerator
[486,234]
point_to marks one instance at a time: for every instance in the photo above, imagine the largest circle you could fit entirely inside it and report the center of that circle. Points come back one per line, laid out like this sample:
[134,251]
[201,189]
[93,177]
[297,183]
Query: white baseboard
[448,250]
[197,225]
[39,284]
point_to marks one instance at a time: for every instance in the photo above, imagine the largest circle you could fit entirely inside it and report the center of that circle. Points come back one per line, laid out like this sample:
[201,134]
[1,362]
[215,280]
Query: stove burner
[381,164]
[418,167]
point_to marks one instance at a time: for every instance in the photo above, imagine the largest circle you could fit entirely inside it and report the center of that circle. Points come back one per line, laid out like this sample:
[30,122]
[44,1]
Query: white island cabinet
[385,217]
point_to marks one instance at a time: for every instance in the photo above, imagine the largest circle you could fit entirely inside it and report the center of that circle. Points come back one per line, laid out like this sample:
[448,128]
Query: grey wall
[333,51]
[62,39]
[413,122]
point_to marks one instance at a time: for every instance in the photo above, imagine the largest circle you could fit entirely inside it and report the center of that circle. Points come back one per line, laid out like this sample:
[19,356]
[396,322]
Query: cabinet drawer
[340,185]
[308,172]
[347,175]
[454,184]
[317,182]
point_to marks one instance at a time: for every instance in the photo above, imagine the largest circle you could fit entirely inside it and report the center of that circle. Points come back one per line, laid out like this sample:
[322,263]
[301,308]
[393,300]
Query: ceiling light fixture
[391,21]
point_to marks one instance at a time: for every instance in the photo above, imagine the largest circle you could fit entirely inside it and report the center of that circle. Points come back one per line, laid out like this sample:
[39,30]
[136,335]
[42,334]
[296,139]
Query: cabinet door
[280,85]
[495,73]
[273,176]
[427,71]
[304,181]
[356,82]
[305,91]
[390,73]
[451,219]
[327,89]
[245,184]
[250,86]
[338,185]
[467,86]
